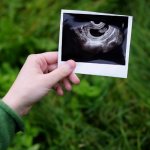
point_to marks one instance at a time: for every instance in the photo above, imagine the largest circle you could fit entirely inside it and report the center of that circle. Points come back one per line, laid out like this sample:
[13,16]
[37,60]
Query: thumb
[61,72]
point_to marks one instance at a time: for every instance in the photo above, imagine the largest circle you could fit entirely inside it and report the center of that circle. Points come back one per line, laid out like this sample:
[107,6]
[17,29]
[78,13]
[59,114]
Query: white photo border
[93,68]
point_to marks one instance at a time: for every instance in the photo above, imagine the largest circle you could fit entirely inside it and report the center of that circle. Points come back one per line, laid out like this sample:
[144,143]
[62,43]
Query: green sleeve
[10,123]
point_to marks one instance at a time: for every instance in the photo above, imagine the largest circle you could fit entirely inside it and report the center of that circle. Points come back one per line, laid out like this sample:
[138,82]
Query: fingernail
[71,63]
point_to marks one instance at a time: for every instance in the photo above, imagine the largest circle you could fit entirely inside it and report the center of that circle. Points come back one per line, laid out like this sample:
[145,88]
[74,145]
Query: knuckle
[31,57]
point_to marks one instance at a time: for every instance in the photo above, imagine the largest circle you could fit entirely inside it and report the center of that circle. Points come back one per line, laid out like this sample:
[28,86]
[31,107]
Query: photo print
[98,42]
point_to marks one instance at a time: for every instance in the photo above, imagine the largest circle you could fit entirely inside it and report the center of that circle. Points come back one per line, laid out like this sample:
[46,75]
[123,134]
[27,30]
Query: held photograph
[98,42]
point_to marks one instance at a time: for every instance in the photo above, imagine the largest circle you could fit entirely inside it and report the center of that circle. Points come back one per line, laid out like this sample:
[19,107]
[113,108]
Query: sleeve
[10,123]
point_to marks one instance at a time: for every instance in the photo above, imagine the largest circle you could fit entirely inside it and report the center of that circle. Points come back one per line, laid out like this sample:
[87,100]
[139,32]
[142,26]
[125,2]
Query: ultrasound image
[94,38]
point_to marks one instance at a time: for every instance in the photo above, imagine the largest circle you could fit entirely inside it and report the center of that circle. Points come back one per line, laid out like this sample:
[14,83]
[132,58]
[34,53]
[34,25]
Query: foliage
[101,113]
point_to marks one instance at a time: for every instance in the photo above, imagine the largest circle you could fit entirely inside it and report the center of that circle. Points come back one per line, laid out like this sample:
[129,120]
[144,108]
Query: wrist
[15,105]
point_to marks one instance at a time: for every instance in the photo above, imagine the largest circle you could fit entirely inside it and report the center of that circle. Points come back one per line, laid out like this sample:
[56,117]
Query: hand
[36,78]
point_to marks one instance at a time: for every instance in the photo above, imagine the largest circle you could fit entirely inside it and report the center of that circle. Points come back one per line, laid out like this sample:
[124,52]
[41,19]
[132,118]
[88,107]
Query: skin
[37,77]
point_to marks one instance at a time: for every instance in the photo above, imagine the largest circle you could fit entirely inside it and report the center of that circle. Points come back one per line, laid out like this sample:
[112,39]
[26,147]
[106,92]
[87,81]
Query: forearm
[10,123]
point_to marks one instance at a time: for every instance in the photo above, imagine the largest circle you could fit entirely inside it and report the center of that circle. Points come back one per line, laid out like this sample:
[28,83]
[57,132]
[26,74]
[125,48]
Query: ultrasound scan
[94,38]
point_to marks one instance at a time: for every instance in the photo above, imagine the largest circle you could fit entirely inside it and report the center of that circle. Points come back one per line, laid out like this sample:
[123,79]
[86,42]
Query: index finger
[50,57]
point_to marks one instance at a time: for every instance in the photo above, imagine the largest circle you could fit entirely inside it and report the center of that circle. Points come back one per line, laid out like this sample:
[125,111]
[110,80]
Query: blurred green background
[102,113]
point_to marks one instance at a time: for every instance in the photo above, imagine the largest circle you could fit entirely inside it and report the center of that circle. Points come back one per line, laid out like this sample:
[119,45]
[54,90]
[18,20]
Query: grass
[101,113]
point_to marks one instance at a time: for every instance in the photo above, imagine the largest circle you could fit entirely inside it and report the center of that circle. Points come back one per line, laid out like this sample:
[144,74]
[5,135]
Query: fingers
[58,89]
[59,86]
[60,73]
[52,67]
[67,84]
[74,79]
[50,57]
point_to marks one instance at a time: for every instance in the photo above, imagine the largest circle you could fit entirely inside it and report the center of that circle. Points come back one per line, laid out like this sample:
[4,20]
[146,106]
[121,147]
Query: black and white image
[98,42]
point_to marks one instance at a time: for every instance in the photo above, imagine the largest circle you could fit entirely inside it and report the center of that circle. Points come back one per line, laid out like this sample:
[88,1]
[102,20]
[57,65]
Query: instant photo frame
[98,42]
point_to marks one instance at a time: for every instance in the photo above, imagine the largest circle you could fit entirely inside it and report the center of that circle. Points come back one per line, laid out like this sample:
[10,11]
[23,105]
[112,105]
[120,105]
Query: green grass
[102,113]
